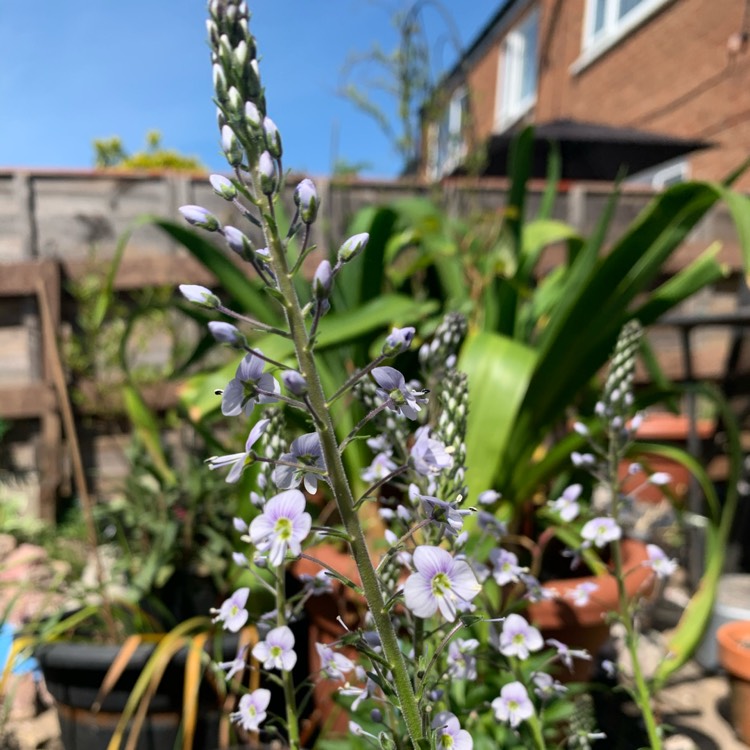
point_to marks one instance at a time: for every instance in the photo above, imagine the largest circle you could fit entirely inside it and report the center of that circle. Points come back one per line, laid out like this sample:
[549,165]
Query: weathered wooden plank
[27,401]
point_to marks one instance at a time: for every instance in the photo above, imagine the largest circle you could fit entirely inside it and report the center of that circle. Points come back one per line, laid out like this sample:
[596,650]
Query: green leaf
[499,370]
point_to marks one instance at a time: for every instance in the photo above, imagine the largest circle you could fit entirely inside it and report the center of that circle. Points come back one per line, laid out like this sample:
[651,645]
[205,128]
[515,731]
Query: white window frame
[512,105]
[662,175]
[456,147]
[594,44]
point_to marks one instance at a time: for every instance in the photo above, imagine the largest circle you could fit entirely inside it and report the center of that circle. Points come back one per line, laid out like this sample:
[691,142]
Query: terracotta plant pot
[585,626]
[734,655]
[324,627]
[669,429]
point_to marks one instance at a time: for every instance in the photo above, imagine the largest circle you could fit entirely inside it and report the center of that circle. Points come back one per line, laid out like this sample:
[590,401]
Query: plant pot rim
[733,655]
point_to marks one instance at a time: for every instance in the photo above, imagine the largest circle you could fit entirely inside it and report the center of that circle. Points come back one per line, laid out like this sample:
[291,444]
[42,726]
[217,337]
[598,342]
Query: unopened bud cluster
[440,353]
[272,444]
[617,400]
[249,138]
[451,432]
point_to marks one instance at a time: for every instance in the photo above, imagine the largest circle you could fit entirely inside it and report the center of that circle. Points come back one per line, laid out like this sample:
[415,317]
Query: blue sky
[75,70]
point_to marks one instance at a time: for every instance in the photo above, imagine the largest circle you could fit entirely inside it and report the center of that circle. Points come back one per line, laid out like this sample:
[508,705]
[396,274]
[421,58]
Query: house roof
[592,151]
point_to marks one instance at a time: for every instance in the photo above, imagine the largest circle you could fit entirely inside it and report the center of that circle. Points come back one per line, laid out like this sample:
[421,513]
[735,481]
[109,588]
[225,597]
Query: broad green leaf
[499,370]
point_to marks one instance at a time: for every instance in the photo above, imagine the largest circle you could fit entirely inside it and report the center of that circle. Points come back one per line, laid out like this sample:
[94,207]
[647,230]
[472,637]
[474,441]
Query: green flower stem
[642,694]
[341,489]
[290,700]
[536,732]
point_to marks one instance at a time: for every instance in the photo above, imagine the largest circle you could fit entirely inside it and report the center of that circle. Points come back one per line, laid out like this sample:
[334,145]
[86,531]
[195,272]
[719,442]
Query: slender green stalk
[641,694]
[340,485]
[287,680]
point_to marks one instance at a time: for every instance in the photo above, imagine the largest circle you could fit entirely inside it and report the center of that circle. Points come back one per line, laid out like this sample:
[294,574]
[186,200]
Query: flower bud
[226,333]
[273,137]
[294,382]
[353,247]
[252,115]
[200,217]
[238,242]
[306,200]
[323,280]
[213,32]
[220,82]
[241,53]
[267,173]
[223,186]
[235,102]
[225,51]
[251,79]
[231,146]
[399,340]
[199,295]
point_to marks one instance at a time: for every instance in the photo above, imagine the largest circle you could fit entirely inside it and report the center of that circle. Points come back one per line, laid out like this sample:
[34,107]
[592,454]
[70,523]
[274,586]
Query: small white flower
[440,582]
[334,665]
[581,594]
[277,651]
[282,526]
[233,612]
[518,638]
[566,505]
[513,704]
[601,531]
[252,709]
[658,561]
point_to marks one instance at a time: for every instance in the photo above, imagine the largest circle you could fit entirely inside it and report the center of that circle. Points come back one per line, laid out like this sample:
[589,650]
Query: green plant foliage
[110,153]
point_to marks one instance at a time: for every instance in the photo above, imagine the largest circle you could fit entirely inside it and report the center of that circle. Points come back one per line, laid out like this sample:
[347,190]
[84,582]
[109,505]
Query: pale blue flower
[582,460]
[518,638]
[428,455]
[566,506]
[462,664]
[238,461]
[449,734]
[658,561]
[505,566]
[488,497]
[332,663]
[237,664]
[282,526]
[233,612]
[277,650]
[440,582]
[444,513]
[398,341]
[305,450]
[601,531]
[513,704]
[546,686]
[252,709]
[660,478]
[399,396]
[382,465]
[581,594]
[567,654]
[241,393]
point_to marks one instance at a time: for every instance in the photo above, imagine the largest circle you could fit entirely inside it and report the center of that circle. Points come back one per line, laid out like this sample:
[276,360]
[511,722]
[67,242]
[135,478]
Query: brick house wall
[673,74]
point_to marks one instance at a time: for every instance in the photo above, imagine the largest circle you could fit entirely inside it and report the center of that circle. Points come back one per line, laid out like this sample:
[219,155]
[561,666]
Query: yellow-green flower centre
[397,397]
[283,528]
[446,740]
[440,584]
[276,651]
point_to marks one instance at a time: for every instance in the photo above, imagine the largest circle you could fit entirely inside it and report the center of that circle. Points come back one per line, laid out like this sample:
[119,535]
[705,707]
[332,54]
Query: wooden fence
[52,223]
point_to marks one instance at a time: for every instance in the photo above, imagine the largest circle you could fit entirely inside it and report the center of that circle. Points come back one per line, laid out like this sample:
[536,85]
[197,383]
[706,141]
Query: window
[519,74]
[609,20]
[662,175]
[449,143]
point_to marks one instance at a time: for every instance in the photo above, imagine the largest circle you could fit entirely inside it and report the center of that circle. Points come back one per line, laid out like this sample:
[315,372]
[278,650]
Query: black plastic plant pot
[74,672]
